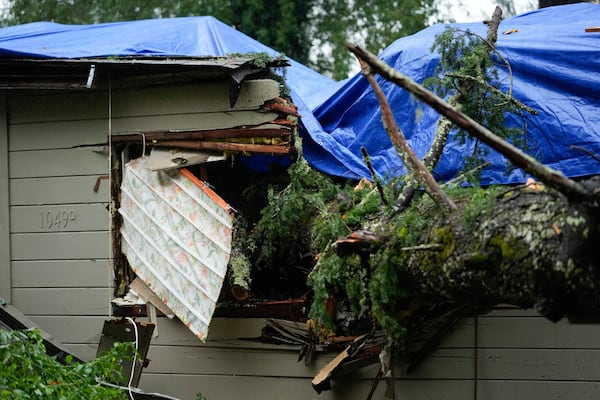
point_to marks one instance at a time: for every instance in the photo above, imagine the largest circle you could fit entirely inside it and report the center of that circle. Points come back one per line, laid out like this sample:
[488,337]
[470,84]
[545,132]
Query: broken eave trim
[272,140]
[74,74]
[227,133]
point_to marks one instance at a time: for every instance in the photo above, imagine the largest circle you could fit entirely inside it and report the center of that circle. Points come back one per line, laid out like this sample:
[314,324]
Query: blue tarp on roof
[555,65]
[188,36]
[556,71]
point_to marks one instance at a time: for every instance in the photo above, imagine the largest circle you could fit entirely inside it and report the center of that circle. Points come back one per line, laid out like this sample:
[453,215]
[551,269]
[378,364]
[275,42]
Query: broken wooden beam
[226,146]
[246,132]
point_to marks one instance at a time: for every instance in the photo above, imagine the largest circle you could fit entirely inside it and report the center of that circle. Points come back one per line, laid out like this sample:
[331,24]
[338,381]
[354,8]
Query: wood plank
[62,273]
[537,390]
[72,329]
[223,332]
[195,121]
[201,97]
[61,190]
[227,361]
[523,332]
[61,162]
[58,106]
[59,245]
[172,99]
[63,301]
[5,272]
[531,364]
[57,134]
[65,218]
[259,388]
[186,386]
[84,352]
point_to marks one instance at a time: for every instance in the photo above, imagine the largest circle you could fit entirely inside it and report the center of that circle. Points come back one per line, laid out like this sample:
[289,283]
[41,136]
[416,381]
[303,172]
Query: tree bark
[528,248]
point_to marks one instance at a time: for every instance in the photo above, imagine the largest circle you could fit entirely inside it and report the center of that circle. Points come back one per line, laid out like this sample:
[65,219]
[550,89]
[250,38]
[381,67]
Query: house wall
[60,273]
[59,225]
[5,278]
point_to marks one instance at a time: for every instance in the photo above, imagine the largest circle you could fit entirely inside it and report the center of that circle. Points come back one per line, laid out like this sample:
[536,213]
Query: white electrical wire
[135,330]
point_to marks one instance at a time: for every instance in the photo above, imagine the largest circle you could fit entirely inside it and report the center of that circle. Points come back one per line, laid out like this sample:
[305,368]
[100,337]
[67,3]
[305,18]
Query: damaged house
[127,153]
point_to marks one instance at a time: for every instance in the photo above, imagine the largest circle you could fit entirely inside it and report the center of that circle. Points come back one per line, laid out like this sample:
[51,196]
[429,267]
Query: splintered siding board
[176,234]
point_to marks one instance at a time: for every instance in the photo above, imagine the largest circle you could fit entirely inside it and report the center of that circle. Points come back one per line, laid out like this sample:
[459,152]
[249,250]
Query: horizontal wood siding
[62,301]
[259,388]
[63,217]
[51,273]
[57,134]
[61,277]
[60,162]
[59,217]
[5,270]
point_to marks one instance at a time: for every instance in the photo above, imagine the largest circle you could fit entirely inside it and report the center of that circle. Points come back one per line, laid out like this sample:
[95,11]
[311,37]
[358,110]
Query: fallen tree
[411,258]
[450,255]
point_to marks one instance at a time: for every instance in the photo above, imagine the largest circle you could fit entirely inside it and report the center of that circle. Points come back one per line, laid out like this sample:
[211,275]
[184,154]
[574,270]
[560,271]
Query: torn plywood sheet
[176,234]
[177,158]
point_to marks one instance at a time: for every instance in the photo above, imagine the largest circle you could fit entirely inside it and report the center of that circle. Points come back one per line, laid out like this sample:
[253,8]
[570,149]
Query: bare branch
[376,180]
[408,156]
[548,176]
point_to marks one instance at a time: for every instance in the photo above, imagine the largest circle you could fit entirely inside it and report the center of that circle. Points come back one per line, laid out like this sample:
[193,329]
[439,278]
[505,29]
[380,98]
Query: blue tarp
[555,65]
[556,71]
[188,36]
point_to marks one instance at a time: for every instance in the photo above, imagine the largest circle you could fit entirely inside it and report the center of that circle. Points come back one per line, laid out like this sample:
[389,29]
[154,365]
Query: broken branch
[548,176]
[408,156]
[367,159]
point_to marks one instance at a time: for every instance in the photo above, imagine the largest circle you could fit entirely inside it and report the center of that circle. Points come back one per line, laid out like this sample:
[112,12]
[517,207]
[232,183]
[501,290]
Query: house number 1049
[58,219]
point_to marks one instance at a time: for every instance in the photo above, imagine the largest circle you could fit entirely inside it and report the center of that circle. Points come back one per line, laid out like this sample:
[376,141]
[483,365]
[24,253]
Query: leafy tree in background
[293,27]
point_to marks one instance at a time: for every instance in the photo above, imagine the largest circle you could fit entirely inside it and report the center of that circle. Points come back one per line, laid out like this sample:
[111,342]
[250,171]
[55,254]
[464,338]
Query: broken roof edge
[129,71]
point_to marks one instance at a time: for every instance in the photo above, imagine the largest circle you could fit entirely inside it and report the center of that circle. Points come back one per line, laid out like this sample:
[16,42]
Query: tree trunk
[528,248]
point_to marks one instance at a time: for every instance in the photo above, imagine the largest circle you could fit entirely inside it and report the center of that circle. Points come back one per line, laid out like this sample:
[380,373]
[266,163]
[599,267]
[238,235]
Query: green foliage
[26,372]
[480,202]
[286,221]
[468,70]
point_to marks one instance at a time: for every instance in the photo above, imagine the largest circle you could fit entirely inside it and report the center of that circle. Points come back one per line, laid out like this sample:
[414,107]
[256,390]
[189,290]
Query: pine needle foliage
[468,70]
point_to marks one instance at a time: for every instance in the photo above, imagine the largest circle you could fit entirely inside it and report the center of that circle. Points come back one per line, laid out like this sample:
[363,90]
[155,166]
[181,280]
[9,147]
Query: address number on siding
[58,219]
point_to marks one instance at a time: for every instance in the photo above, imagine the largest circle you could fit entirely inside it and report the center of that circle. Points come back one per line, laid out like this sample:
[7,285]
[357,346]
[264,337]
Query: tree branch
[408,156]
[367,160]
[548,176]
